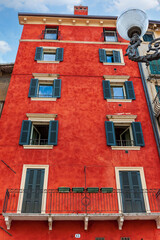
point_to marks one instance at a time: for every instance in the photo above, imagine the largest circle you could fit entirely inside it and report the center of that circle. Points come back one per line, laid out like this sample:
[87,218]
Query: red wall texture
[81,113]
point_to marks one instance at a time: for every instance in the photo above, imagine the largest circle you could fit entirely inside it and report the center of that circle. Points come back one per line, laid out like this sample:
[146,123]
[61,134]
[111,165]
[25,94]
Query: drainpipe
[155,130]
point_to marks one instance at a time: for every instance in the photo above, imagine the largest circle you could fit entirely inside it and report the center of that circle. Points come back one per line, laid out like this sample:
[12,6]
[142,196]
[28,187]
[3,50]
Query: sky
[10,30]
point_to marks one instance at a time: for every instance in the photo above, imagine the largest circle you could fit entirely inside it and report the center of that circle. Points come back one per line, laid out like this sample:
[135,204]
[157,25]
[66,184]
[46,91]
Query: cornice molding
[41,117]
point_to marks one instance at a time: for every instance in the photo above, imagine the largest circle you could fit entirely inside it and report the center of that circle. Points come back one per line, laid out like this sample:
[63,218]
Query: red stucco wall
[81,113]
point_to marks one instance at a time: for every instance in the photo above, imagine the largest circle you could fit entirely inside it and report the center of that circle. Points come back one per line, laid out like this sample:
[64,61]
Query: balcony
[156,103]
[104,204]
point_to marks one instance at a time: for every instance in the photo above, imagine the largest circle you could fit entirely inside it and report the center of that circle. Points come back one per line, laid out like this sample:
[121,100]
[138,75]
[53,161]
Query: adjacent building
[78,152]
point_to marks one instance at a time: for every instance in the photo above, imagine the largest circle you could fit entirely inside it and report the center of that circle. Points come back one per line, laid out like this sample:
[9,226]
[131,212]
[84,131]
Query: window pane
[51,34]
[49,56]
[45,90]
[110,58]
[110,36]
[117,92]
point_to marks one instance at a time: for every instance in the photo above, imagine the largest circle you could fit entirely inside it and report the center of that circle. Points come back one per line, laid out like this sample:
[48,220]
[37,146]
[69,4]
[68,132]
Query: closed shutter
[155,67]
[57,88]
[131,192]
[110,133]
[53,133]
[116,57]
[138,134]
[33,88]
[129,90]
[59,54]
[148,37]
[102,55]
[39,53]
[33,191]
[25,132]
[106,89]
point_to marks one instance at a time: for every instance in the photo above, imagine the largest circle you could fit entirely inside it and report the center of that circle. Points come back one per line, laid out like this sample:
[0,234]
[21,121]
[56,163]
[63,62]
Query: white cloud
[121,5]
[38,5]
[4,47]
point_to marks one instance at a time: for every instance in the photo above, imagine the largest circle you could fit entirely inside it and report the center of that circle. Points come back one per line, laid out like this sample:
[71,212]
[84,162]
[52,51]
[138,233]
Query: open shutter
[116,57]
[138,134]
[110,133]
[33,191]
[129,90]
[53,133]
[25,132]
[102,55]
[59,54]
[33,88]
[57,88]
[39,53]
[106,89]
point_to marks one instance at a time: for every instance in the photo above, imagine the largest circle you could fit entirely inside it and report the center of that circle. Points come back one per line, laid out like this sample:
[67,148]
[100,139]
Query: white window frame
[115,35]
[110,50]
[48,50]
[44,78]
[45,184]
[143,182]
[119,81]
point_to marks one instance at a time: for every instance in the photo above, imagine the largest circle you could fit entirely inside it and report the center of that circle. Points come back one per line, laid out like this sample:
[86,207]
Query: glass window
[49,56]
[45,90]
[110,36]
[148,37]
[39,134]
[117,92]
[51,33]
[123,136]
[109,58]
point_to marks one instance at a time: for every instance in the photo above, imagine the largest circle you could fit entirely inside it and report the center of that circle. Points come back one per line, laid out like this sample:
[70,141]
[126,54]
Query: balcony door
[33,191]
[131,192]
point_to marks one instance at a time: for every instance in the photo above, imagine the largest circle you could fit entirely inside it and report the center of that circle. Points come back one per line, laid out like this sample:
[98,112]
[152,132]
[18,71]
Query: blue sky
[10,30]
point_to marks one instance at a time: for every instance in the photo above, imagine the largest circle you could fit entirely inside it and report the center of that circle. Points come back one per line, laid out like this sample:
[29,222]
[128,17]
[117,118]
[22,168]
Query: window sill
[126,148]
[113,64]
[43,99]
[38,146]
[119,100]
[47,61]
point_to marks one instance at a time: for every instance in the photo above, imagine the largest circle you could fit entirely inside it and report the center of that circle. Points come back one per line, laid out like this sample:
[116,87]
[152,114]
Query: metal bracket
[86,223]
[50,220]
[120,221]
[158,222]
[8,222]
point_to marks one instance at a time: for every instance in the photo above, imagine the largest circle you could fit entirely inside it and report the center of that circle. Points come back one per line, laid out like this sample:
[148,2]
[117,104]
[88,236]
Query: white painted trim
[38,147]
[122,118]
[43,99]
[126,148]
[49,48]
[23,178]
[46,76]
[143,182]
[83,42]
[119,100]
[41,117]
[118,64]
[41,61]
[116,78]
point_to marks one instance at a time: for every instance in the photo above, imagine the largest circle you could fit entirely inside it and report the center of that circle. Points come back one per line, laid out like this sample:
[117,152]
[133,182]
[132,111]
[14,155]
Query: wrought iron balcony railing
[125,143]
[51,201]
[156,103]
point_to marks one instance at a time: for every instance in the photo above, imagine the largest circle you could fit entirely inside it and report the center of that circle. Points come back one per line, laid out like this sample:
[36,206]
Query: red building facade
[79,158]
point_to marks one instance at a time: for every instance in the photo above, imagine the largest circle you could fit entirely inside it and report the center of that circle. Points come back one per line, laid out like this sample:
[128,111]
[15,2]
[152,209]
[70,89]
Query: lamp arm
[135,42]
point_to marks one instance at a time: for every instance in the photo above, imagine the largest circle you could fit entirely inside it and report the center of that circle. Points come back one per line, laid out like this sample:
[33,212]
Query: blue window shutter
[102,55]
[25,132]
[129,90]
[155,67]
[110,133]
[53,133]
[106,89]
[32,198]
[59,54]
[137,134]
[116,57]
[57,88]
[148,37]
[39,53]
[33,88]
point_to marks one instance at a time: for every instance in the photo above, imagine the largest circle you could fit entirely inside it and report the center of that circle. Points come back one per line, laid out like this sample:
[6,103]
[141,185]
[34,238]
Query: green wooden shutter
[137,134]
[57,88]
[39,53]
[148,37]
[33,88]
[116,57]
[110,133]
[106,89]
[102,55]
[33,191]
[53,133]
[131,192]
[59,54]
[155,67]
[129,90]
[25,132]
